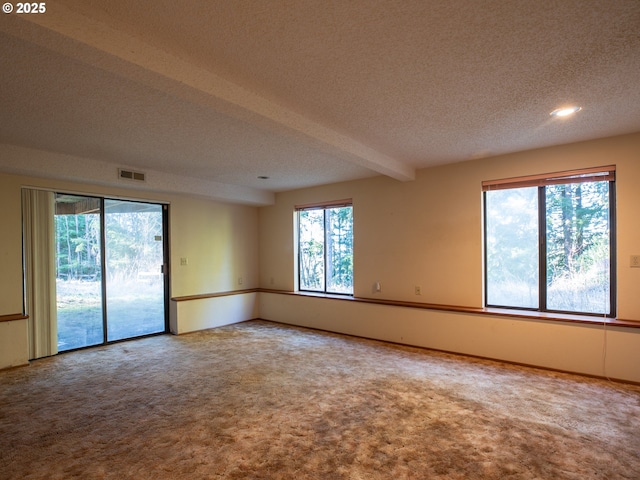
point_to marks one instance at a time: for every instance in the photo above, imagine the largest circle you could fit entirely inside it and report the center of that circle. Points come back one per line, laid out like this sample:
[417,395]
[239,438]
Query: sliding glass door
[110,256]
[134,269]
[78,247]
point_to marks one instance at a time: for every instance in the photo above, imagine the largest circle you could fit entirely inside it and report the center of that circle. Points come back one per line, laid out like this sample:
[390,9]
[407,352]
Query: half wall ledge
[13,317]
[496,312]
[191,313]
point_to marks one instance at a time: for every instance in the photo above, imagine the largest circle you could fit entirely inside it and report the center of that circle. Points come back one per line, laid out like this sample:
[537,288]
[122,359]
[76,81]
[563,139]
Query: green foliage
[77,246]
[339,234]
[311,249]
[326,248]
[576,217]
[130,244]
[577,228]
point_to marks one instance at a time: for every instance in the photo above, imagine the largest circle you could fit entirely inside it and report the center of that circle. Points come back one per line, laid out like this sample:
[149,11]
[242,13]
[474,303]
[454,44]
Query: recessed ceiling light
[565,111]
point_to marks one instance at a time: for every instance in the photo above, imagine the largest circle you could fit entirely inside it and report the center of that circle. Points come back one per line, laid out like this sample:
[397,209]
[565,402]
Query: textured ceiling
[310,92]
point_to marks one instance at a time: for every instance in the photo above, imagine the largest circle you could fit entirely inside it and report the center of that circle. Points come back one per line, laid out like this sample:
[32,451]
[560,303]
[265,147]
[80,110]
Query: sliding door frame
[165,267]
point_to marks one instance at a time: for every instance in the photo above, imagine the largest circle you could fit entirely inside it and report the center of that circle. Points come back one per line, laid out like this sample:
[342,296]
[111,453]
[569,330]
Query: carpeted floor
[260,400]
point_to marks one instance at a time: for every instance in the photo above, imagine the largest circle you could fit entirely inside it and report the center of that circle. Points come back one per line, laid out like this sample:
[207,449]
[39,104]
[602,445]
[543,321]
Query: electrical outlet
[184,261]
[418,290]
[239,280]
[635,261]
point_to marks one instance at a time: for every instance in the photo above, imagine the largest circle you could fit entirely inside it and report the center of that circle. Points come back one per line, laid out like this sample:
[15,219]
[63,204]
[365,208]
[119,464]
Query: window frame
[594,174]
[324,206]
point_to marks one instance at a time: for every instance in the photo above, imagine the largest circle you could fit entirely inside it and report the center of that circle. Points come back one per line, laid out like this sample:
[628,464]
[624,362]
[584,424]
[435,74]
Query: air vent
[131,175]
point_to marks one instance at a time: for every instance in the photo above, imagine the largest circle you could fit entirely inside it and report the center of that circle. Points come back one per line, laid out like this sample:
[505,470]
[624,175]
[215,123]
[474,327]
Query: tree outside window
[550,247]
[325,249]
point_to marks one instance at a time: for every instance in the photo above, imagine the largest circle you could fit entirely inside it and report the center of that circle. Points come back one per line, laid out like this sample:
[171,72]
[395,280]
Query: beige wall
[11,301]
[211,312]
[220,243]
[219,240]
[429,233]
[570,347]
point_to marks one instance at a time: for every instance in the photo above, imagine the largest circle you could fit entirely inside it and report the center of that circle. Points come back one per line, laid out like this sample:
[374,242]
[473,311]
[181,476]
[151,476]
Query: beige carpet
[265,401]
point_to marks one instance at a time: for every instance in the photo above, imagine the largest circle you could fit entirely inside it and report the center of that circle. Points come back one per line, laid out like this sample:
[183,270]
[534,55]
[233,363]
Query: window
[325,247]
[549,242]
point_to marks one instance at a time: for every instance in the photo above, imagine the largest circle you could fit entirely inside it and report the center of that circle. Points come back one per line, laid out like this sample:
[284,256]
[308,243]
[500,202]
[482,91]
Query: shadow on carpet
[260,400]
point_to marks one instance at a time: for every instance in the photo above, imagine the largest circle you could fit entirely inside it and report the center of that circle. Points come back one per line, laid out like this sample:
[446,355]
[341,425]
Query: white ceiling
[206,96]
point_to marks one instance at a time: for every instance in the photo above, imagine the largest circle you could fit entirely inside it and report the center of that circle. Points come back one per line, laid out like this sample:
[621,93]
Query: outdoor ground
[134,308]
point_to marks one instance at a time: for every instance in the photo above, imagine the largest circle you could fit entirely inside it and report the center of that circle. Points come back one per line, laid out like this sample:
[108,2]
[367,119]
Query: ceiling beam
[98,44]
